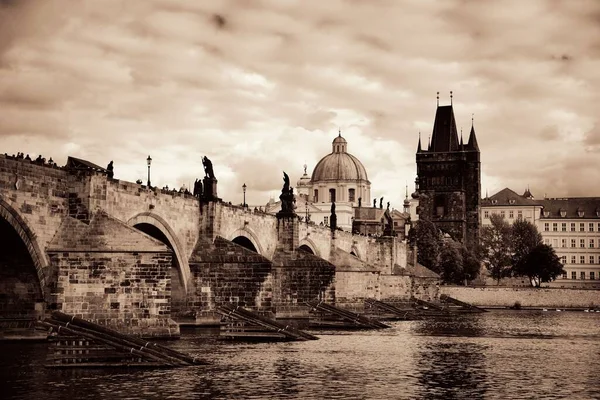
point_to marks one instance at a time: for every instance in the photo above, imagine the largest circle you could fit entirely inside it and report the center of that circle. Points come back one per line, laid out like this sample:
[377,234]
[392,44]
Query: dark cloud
[263,86]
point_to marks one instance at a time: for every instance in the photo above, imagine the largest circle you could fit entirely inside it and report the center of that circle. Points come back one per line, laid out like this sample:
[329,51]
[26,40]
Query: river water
[496,355]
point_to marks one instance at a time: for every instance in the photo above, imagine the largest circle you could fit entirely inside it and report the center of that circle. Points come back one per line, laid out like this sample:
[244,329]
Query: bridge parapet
[258,227]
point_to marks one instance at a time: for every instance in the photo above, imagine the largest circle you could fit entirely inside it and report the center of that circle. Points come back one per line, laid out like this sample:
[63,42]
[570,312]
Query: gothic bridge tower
[449,179]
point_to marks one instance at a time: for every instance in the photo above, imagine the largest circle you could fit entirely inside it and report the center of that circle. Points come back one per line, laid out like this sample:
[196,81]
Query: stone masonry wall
[528,297]
[353,287]
[232,221]
[124,200]
[39,194]
[225,272]
[126,291]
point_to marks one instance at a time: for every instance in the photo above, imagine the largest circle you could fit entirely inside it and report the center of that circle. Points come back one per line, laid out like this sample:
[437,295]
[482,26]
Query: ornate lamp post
[244,189]
[149,161]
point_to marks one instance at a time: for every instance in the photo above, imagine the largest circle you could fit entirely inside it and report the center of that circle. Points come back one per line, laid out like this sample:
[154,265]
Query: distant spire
[429,144]
[461,138]
[472,117]
[472,144]
[451,97]
[438,99]
[406,196]
[419,146]
[339,132]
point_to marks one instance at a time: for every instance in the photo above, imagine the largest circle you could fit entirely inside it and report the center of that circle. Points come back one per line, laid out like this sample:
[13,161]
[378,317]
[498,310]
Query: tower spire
[339,132]
[438,99]
[461,139]
[472,144]
[451,97]
[419,145]
[429,144]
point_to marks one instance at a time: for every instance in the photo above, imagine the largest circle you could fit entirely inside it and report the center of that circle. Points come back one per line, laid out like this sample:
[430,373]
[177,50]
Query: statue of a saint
[333,218]
[381,202]
[286,183]
[110,170]
[208,168]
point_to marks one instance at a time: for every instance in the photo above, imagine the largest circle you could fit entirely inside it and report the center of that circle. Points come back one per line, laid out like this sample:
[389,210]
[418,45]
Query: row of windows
[511,214]
[351,195]
[582,275]
[572,243]
[573,226]
[592,259]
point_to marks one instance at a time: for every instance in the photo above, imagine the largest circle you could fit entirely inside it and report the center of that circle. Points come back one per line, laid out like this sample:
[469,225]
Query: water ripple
[496,355]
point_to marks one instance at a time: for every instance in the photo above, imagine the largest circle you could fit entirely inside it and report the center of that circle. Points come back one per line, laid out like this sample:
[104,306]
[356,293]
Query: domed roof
[339,165]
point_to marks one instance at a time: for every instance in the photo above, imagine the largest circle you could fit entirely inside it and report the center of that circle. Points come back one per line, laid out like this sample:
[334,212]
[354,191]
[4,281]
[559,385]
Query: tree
[428,239]
[524,238]
[495,251]
[541,265]
[450,265]
[471,264]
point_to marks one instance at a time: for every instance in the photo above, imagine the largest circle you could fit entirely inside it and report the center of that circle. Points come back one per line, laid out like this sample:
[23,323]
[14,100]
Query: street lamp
[149,161]
[244,189]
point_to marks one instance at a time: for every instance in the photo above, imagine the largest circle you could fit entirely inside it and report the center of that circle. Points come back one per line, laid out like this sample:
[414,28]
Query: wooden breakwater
[239,323]
[76,342]
[323,315]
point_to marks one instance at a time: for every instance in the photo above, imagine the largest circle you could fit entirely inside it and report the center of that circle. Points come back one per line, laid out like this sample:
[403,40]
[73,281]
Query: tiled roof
[78,163]
[444,136]
[590,206]
[507,197]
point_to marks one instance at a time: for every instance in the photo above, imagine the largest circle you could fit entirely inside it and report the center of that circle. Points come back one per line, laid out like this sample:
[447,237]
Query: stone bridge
[136,257]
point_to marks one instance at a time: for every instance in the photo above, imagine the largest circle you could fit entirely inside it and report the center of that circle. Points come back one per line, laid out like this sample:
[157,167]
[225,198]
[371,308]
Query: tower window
[351,194]
[316,196]
[440,205]
[332,195]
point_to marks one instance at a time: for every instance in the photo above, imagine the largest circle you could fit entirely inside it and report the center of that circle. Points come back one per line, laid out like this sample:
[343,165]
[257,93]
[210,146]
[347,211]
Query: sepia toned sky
[263,86]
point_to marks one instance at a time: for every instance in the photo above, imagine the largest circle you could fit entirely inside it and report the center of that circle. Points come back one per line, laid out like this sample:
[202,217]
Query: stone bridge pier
[139,258]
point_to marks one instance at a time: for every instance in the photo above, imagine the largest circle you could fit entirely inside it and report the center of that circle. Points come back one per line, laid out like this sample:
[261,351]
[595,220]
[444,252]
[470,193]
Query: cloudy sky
[263,86]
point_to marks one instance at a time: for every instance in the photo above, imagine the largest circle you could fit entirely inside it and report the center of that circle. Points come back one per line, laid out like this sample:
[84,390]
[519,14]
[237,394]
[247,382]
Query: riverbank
[533,298]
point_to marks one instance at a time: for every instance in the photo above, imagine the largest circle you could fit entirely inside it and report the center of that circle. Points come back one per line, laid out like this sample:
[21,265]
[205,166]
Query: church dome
[339,165]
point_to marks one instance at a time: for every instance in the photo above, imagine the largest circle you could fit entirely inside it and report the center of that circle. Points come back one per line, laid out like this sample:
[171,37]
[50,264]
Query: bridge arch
[141,222]
[248,235]
[12,218]
[308,245]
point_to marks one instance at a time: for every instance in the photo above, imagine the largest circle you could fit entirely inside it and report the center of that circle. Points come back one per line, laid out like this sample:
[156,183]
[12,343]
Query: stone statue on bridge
[286,183]
[110,170]
[388,229]
[381,202]
[333,218]
[208,168]
[197,188]
[287,198]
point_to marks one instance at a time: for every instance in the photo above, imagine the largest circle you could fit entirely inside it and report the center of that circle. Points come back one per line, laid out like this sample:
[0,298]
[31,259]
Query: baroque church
[448,184]
[341,178]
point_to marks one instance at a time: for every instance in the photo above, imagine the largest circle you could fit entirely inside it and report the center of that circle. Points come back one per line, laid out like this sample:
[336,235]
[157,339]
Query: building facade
[448,184]
[511,206]
[572,227]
